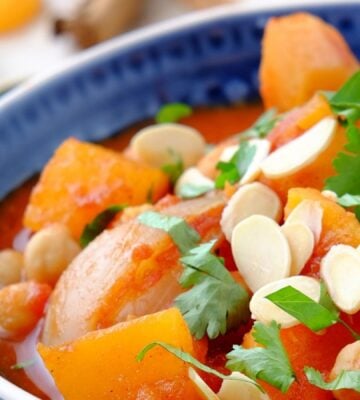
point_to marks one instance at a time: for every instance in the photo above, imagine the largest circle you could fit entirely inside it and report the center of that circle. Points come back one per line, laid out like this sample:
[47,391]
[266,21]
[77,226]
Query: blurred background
[35,35]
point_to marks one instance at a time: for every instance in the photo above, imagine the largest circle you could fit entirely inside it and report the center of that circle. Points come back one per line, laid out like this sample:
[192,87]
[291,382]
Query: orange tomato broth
[215,124]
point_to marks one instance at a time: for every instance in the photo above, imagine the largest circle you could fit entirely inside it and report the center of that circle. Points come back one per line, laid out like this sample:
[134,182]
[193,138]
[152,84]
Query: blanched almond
[250,199]
[347,360]
[193,176]
[201,386]
[161,144]
[265,311]
[329,194]
[310,213]
[261,251]
[340,270]
[301,242]
[301,151]
[254,170]
[244,389]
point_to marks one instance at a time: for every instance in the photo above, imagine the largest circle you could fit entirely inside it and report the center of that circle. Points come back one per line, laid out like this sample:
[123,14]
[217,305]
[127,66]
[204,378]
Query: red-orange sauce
[214,123]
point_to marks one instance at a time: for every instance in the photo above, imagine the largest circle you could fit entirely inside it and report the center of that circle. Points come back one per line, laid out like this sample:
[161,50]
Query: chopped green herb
[23,364]
[215,302]
[173,112]
[349,200]
[183,235]
[346,102]
[346,380]
[99,224]
[303,308]
[190,191]
[269,363]
[233,170]
[263,126]
[175,169]
[189,359]
[314,315]
[326,301]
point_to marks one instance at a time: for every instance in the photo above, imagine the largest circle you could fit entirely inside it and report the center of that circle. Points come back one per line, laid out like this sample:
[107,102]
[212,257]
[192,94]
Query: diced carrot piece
[313,175]
[21,305]
[297,121]
[82,179]
[306,348]
[103,365]
[339,226]
[301,55]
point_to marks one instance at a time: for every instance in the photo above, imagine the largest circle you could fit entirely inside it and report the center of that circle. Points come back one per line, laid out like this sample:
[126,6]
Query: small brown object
[99,20]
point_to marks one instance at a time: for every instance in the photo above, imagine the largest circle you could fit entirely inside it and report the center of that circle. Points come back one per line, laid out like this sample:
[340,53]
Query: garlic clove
[340,270]
[265,311]
[301,151]
[261,251]
[310,213]
[301,241]
[162,144]
[250,199]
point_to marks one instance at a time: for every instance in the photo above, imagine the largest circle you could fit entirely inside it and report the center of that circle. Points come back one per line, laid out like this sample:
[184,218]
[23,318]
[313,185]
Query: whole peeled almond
[300,152]
[310,213]
[162,144]
[194,177]
[340,270]
[250,199]
[265,311]
[244,389]
[261,251]
[301,241]
[203,389]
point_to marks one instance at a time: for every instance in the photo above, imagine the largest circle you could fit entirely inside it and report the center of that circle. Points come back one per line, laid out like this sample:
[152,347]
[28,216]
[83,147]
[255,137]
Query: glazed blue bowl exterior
[203,59]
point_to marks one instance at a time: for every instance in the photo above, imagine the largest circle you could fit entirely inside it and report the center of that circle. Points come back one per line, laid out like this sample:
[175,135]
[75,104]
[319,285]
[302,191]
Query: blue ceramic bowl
[204,58]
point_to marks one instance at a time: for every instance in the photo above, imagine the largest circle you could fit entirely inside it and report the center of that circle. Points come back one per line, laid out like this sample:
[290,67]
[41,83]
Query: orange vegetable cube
[82,179]
[301,55]
[338,226]
[102,364]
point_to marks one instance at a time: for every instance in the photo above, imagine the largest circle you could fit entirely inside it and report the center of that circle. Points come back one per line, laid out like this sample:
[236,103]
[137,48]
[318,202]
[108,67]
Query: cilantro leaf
[233,170]
[262,126]
[346,102]
[349,200]
[172,112]
[269,363]
[215,302]
[175,169]
[184,236]
[303,308]
[190,191]
[326,301]
[99,224]
[346,380]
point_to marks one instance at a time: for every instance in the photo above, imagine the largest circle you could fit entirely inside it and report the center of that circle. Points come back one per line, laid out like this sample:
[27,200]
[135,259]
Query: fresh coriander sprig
[269,363]
[175,169]
[173,112]
[99,224]
[215,302]
[189,359]
[314,315]
[262,126]
[345,380]
[232,171]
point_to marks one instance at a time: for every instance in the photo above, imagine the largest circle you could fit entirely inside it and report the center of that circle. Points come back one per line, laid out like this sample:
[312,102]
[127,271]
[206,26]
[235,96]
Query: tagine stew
[209,254]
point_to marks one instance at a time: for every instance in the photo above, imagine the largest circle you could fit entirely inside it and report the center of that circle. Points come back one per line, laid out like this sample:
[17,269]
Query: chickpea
[48,254]
[348,359]
[11,264]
